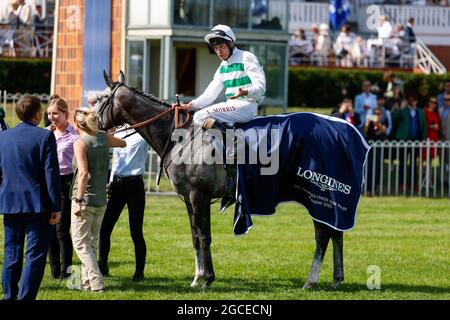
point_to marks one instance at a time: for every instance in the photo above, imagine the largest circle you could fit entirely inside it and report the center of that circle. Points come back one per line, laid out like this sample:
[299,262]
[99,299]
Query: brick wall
[116,38]
[69,52]
[69,57]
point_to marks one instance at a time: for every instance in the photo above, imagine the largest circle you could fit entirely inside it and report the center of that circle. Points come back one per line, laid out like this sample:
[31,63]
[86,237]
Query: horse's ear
[121,77]
[108,80]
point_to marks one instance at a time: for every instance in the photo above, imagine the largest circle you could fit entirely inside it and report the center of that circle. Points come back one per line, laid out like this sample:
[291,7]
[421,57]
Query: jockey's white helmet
[220,31]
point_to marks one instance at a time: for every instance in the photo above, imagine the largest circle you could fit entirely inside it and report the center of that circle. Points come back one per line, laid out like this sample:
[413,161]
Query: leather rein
[176,125]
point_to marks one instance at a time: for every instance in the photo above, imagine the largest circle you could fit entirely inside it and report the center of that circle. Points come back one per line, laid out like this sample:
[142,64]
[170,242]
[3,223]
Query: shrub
[325,88]
[25,75]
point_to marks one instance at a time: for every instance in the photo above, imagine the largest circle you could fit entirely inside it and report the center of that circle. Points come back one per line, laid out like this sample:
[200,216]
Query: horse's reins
[176,109]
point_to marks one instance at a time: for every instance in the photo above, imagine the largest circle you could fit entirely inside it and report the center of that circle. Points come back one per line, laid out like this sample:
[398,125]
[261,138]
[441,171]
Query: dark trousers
[61,243]
[36,230]
[129,191]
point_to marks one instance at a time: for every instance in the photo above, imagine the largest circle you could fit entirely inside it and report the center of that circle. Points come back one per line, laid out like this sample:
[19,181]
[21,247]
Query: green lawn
[408,238]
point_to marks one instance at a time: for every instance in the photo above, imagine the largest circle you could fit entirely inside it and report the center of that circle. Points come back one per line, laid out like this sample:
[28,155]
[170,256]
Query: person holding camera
[376,128]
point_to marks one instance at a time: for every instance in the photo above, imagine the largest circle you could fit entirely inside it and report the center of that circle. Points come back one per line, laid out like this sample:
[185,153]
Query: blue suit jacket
[30,169]
[359,106]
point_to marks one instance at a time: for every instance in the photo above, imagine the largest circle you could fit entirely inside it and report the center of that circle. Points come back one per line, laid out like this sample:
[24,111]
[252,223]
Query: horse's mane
[150,97]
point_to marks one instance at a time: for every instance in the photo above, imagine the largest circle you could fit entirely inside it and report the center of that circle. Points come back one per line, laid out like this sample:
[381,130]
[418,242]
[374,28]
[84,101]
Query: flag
[339,11]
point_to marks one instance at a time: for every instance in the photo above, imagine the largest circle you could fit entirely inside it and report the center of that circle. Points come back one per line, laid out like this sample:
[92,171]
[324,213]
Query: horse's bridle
[108,103]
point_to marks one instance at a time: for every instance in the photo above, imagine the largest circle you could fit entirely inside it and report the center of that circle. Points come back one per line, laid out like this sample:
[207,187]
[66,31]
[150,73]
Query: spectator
[391,81]
[445,133]
[385,34]
[346,112]
[29,199]
[344,45]
[365,103]
[376,130]
[440,97]
[89,191]
[409,31]
[445,118]
[127,188]
[315,35]
[23,34]
[300,48]
[3,124]
[359,52]
[47,122]
[395,98]
[386,118]
[411,125]
[39,27]
[323,45]
[60,251]
[433,125]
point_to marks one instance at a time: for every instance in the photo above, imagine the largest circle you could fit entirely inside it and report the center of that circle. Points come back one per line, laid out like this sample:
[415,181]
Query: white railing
[426,61]
[408,168]
[8,102]
[393,168]
[303,14]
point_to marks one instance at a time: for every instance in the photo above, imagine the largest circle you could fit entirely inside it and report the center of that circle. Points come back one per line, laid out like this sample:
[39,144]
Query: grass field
[407,238]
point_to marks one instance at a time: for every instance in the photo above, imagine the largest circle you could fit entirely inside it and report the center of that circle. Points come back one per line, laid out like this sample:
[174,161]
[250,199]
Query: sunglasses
[433,101]
[447,99]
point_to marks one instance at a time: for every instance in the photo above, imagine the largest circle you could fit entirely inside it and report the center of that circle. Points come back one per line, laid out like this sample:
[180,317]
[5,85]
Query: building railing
[303,14]
[27,42]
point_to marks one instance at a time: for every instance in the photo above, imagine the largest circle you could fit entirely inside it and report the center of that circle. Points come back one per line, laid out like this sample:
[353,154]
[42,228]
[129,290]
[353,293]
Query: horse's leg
[199,271]
[201,222]
[322,235]
[338,257]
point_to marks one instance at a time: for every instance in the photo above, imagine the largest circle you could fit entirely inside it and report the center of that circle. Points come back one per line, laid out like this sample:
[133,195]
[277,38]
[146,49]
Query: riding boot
[230,184]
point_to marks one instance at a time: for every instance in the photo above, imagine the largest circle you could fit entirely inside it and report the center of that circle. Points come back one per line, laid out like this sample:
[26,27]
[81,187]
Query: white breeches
[229,112]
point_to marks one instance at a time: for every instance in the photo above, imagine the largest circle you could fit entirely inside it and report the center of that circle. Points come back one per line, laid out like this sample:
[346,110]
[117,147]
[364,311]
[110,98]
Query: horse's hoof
[208,283]
[196,282]
[337,283]
[309,285]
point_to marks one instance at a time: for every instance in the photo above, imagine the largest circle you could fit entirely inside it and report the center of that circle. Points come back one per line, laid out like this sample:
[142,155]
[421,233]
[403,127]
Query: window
[272,58]
[234,13]
[268,14]
[191,12]
[136,64]
[185,71]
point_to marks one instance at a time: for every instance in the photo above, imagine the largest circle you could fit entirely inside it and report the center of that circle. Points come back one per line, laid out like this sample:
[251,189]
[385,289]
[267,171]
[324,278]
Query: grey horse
[197,184]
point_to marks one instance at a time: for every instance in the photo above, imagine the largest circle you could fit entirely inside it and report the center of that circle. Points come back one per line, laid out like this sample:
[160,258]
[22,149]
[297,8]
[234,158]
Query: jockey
[242,77]
[244,81]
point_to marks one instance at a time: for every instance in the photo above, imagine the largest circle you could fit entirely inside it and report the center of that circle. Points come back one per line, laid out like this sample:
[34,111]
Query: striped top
[241,70]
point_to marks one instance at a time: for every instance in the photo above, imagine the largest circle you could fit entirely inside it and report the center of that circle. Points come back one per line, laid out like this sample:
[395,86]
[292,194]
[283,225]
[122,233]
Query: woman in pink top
[60,252]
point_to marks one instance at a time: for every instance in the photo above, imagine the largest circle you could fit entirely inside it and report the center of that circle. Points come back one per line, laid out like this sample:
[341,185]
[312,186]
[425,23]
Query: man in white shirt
[126,188]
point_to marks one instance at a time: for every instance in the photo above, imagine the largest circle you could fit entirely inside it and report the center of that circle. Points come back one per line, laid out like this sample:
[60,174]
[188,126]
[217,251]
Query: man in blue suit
[365,103]
[29,199]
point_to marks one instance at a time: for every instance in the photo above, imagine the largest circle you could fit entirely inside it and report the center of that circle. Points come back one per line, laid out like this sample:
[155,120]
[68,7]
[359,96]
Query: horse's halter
[108,106]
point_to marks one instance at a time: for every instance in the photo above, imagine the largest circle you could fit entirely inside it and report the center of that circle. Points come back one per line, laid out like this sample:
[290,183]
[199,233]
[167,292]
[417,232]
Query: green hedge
[325,88]
[25,75]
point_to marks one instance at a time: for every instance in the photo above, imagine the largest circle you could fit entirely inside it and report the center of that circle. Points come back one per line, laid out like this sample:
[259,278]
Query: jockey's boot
[230,184]
[230,188]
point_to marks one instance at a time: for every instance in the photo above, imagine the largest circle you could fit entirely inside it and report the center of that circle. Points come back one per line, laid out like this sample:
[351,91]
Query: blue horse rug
[315,160]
